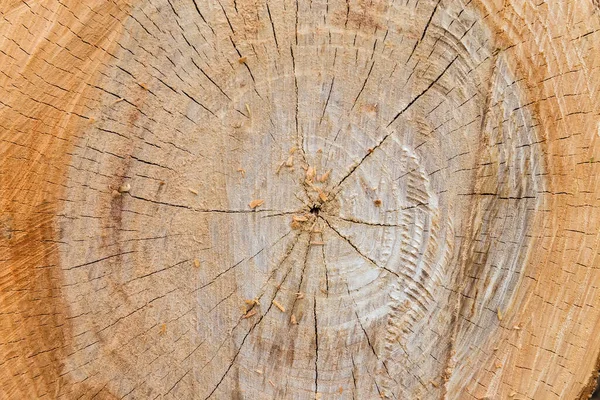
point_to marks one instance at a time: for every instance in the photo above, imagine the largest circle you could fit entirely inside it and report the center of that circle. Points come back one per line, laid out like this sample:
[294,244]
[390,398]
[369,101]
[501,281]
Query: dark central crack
[315,209]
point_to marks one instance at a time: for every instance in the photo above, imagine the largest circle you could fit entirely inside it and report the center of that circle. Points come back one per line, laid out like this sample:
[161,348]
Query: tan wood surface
[310,199]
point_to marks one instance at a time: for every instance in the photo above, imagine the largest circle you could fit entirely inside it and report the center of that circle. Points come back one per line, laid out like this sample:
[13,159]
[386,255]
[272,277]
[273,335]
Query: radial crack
[363,86]
[213,210]
[358,250]
[357,221]
[258,321]
[385,137]
[240,262]
[424,32]
[326,271]
[200,14]
[419,96]
[316,347]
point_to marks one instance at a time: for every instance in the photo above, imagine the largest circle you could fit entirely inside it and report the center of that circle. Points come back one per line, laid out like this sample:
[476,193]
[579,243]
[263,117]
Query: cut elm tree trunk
[326,199]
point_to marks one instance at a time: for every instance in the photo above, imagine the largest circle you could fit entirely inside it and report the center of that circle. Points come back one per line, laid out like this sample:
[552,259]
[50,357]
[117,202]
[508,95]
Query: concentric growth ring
[285,201]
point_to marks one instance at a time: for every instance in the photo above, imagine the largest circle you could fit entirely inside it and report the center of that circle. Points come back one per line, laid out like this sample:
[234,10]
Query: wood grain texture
[327,199]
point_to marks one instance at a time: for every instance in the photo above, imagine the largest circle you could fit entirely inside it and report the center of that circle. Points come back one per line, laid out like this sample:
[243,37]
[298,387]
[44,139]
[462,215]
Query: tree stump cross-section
[320,199]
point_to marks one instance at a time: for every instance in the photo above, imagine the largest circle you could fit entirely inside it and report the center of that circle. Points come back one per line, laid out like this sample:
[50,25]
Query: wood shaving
[242,172]
[290,161]
[377,203]
[195,192]
[249,314]
[250,304]
[256,203]
[322,196]
[243,60]
[278,305]
[293,320]
[369,108]
[300,218]
[310,174]
[499,314]
[299,295]
[279,168]
[124,188]
[324,177]
[312,186]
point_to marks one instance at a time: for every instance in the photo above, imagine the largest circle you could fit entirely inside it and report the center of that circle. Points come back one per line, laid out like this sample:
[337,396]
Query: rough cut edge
[588,390]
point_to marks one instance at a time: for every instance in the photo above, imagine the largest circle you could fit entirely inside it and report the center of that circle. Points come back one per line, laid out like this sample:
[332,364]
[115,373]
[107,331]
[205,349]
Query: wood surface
[310,199]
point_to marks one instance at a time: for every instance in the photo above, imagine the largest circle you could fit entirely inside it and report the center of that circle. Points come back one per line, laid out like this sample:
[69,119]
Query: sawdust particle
[124,188]
[256,203]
